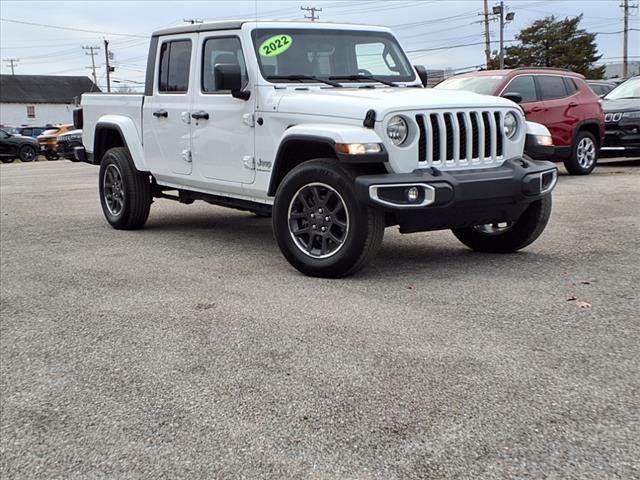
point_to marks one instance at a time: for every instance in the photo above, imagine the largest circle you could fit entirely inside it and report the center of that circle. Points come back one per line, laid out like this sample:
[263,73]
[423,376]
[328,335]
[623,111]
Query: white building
[40,99]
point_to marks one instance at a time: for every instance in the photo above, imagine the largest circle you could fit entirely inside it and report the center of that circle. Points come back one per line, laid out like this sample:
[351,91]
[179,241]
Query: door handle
[200,115]
[573,104]
[161,113]
[536,109]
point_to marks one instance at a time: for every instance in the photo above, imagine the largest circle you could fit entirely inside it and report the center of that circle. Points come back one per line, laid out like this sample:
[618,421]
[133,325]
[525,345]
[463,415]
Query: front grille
[451,139]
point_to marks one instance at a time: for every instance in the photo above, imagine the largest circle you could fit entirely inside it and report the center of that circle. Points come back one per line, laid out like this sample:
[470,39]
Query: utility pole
[625,43]
[92,52]
[487,37]
[110,69]
[313,11]
[12,63]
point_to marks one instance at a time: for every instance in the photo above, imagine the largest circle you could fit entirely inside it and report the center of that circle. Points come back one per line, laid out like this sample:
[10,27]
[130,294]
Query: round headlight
[510,125]
[397,130]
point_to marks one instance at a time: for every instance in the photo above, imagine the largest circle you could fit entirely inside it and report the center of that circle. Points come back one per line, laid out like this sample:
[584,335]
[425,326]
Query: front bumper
[456,199]
[622,138]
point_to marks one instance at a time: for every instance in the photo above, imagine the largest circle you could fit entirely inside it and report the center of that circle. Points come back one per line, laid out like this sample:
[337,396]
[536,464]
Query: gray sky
[431,26]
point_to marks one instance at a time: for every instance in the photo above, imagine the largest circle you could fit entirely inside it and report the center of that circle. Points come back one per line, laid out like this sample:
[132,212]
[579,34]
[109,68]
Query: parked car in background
[622,120]
[14,146]
[67,142]
[49,138]
[558,99]
[30,131]
[601,87]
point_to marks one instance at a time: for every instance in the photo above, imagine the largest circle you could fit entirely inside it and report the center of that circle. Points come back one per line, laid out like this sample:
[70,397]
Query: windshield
[485,84]
[629,89]
[330,53]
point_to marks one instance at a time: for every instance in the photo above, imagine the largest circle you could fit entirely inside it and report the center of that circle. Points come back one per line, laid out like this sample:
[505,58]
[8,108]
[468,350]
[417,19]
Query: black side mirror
[514,97]
[422,73]
[228,76]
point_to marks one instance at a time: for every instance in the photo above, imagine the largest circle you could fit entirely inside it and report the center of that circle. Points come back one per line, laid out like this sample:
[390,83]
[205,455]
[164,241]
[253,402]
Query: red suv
[558,99]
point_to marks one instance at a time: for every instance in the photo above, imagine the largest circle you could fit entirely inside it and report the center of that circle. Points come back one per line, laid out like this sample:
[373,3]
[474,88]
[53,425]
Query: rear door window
[524,86]
[571,86]
[175,62]
[551,87]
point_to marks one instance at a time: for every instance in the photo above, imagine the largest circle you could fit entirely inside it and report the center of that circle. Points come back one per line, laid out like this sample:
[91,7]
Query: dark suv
[622,119]
[558,99]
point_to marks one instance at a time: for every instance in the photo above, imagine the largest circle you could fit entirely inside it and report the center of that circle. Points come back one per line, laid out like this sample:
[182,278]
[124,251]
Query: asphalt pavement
[190,349]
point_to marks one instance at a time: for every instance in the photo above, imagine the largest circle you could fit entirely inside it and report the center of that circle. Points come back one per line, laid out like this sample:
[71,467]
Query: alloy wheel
[113,189]
[586,153]
[318,220]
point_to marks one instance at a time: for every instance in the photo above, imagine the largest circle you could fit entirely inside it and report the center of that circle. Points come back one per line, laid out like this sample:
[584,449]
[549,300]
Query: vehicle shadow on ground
[399,255]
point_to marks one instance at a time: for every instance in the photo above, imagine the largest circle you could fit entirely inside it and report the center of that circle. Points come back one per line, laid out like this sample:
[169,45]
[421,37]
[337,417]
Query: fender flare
[129,134]
[325,135]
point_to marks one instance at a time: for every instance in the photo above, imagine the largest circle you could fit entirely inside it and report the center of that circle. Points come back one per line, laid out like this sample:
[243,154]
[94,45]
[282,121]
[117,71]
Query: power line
[70,28]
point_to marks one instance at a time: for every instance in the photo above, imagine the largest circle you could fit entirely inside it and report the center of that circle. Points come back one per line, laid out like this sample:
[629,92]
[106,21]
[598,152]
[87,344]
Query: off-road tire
[365,224]
[135,190]
[575,164]
[27,153]
[522,233]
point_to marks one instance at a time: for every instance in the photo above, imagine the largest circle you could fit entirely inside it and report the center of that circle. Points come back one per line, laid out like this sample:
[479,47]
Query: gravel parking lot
[191,349]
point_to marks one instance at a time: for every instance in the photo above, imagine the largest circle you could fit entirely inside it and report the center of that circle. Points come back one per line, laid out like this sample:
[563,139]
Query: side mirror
[422,73]
[514,97]
[227,76]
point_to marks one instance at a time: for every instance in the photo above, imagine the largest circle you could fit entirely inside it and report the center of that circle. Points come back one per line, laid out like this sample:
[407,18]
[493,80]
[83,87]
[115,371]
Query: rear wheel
[125,193]
[27,153]
[507,237]
[584,155]
[319,224]
[7,160]
[51,156]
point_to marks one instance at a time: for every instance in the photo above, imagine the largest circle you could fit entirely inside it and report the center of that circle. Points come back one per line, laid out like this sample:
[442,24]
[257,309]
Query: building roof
[44,88]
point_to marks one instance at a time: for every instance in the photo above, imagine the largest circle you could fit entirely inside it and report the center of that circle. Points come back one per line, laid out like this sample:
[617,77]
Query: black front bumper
[462,198]
[622,138]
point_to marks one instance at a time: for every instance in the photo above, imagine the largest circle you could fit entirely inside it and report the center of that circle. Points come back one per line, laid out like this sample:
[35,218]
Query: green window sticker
[275,45]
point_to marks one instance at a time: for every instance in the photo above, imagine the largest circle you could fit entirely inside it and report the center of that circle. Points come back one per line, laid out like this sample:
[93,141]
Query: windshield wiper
[301,78]
[364,77]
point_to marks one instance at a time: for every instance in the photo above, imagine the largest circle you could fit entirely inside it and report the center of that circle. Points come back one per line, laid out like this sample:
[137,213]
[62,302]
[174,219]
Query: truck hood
[355,102]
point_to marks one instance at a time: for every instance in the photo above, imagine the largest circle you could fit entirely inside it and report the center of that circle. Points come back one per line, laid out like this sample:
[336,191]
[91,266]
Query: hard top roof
[237,24]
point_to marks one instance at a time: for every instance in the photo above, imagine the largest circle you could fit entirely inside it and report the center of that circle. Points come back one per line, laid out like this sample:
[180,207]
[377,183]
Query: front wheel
[584,155]
[27,153]
[125,193]
[507,237]
[319,224]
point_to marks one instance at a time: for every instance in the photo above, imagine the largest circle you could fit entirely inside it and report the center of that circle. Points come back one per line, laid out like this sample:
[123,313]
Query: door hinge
[186,156]
[248,119]
[249,162]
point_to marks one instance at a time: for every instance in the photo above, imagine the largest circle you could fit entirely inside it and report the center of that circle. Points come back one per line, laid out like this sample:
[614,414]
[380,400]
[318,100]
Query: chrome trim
[429,194]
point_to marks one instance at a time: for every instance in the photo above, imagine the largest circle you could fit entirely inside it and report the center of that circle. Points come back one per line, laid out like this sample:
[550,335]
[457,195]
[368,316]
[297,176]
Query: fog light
[413,194]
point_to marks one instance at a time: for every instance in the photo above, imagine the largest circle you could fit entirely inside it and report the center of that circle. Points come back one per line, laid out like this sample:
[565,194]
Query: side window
[551,86]
[27,132]
[524,86]
[217,51]
[571,86]
[175,60]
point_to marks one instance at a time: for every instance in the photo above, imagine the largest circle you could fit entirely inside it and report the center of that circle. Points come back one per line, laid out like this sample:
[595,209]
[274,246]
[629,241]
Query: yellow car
[49,139]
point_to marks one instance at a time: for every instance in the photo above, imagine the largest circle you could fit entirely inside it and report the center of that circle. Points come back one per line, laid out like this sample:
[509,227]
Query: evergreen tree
[554,43]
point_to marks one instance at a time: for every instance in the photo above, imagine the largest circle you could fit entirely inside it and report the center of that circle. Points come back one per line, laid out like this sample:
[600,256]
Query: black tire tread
[138,190]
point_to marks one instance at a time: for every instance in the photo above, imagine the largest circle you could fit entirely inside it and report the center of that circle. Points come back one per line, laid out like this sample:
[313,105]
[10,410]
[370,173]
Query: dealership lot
[191,349]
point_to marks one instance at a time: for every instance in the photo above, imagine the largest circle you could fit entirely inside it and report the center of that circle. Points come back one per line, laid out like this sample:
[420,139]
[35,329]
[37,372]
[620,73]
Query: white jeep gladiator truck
[327,128]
